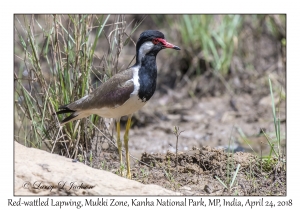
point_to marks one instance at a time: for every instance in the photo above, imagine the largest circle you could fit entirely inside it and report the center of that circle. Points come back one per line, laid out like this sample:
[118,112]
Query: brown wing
[113,93]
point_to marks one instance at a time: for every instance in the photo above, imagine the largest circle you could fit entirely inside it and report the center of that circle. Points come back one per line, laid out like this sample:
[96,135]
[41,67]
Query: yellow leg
[126,146]
[119,141]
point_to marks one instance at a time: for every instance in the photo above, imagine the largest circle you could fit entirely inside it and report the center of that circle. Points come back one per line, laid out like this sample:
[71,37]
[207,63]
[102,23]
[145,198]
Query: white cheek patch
[144,49]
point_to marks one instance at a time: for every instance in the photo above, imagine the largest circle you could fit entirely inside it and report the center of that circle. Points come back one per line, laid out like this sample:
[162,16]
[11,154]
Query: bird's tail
[65,109]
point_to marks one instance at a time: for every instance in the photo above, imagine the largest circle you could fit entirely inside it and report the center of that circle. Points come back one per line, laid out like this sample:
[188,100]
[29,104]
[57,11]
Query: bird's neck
[147,76]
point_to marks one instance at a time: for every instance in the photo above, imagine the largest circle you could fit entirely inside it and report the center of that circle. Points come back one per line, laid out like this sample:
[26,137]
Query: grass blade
[234,176]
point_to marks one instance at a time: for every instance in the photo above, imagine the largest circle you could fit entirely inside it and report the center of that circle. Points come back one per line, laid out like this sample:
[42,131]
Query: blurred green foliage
[216,36]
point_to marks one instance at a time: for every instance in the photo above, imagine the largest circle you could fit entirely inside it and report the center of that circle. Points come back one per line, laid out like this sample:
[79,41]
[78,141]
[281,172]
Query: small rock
[207,189]
[25,73]
[105,145]
[228,116]
[267,101]
[193,118]
[211,112]
[173,116]
[185,188]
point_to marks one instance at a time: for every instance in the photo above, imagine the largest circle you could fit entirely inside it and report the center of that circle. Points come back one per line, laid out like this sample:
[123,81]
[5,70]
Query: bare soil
[198,170]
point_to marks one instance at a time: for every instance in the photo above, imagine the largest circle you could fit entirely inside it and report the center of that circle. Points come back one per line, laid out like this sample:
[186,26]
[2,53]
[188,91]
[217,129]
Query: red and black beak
[168,45]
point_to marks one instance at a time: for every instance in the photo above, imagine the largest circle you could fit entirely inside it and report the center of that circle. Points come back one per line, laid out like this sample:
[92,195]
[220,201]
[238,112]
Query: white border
[152,6]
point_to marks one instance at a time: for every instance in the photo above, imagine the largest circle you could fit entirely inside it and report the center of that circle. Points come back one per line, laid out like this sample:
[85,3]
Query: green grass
[229,183]
[210,37]
[274,140]
[275,154]
[267,163]
[56,57]
[62,47]
[215,38]
[230,168]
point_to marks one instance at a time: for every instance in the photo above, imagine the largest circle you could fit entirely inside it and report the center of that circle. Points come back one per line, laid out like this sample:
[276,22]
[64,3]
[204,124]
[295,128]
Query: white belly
[132,105]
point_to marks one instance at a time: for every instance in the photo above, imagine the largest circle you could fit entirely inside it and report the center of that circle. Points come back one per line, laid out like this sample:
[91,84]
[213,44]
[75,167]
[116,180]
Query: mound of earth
[201,171]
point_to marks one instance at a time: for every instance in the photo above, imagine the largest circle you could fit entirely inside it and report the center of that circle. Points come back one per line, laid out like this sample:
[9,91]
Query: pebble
[105,145]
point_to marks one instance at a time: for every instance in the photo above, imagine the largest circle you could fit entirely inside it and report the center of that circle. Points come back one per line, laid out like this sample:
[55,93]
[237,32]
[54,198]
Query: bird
[124,93]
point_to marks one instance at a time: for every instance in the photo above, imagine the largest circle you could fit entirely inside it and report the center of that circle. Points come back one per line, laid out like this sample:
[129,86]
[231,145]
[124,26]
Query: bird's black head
[149,36]
[151,42]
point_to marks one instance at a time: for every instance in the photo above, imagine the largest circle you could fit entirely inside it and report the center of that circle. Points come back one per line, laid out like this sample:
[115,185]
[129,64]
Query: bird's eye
[155,41]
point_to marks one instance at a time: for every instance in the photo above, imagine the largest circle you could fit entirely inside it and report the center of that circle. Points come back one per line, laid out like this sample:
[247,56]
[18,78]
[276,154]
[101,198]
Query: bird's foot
[128,175]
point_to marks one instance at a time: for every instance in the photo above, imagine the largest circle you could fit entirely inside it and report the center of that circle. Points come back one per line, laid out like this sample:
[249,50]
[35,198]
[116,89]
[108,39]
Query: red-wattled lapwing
[126,92]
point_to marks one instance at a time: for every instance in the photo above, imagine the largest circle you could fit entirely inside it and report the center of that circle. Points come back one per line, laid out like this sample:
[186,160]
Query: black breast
[147,77]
